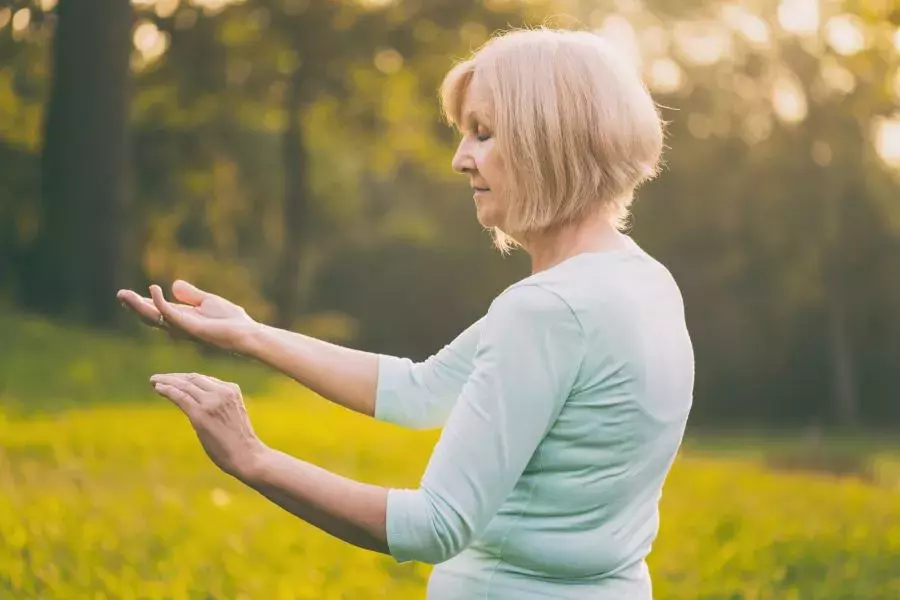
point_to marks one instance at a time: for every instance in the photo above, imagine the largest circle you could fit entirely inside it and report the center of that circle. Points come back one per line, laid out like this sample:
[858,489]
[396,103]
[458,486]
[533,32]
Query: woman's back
[582,516]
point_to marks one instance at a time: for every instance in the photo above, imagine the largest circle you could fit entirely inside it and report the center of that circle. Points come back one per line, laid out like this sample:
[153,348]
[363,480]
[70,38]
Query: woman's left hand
[217,413]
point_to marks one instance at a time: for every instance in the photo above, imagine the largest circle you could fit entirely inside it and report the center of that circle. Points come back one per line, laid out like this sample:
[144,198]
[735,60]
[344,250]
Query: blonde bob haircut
[575,126]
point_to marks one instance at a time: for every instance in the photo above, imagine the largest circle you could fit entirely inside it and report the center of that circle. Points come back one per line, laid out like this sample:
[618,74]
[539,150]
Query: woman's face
[478,157]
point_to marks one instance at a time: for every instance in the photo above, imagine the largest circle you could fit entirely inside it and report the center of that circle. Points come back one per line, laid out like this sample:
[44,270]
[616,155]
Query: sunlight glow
[749,25]
[653,41]
[620,33]
[700,126]
[166,8]
[665,76]
[21,19]
[757,127]
[48,5]
[897,84]
[887,139]
[375,4]
[703,42]
[630,6]
[846,34]
[388,61]
[897,40]
[788,99]
[748,88]
[5,17]
[150,41]
[800,17]
[212,7]
[837,78]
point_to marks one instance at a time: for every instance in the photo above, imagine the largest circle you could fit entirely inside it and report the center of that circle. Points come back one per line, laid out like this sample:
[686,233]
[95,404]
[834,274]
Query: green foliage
[46,365]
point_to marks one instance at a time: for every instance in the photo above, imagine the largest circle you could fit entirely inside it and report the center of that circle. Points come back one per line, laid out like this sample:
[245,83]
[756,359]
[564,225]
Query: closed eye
[481,133]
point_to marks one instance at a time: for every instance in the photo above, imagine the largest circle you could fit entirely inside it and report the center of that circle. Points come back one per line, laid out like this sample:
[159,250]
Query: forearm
[350,510]
[342,375]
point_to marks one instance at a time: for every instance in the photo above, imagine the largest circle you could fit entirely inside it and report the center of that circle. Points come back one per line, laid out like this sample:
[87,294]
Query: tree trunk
[77,260]
[841,358]
[840,347]
[295,208]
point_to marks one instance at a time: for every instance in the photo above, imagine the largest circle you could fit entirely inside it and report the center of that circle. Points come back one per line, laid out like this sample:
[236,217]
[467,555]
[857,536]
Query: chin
[489,219]
[489,216]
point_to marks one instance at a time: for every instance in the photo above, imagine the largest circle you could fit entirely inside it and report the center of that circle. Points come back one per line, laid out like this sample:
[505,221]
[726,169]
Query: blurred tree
[23,76]
[347,89]
[316,52]
[76,261]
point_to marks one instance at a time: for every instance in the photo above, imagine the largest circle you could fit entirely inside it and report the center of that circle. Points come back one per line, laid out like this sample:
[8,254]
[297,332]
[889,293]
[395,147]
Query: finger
[201,381]
[183,383]
[169,311]
[174,305]
[144,307]
[178,397]
[188,293]
[230,385]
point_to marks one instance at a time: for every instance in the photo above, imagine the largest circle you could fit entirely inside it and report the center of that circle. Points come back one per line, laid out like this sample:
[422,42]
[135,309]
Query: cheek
[490,165]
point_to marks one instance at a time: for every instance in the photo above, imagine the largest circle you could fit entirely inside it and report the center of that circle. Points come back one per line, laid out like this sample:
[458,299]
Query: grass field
[106,493]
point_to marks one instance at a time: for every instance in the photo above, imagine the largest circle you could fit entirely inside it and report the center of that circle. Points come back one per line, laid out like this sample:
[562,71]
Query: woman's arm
[388,388]
[524,372]
[342,375]
[526,367]
[350,510]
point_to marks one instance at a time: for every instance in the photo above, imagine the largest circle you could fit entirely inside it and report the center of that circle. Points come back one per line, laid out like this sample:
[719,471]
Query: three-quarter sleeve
[527,359]
[420,395]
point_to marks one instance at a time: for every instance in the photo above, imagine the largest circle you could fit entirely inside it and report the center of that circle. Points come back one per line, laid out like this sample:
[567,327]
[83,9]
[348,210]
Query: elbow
[436,551]
[452,531]
[431,532]
[449,543]
[443,550]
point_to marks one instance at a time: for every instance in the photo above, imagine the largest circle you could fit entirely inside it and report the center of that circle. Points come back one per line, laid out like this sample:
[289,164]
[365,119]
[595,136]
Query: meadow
[106,493]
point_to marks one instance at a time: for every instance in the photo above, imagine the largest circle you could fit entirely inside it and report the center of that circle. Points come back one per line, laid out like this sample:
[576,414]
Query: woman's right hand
[201,315]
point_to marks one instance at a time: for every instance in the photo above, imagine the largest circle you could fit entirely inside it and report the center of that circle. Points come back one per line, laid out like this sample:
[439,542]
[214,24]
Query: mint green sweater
[562,410]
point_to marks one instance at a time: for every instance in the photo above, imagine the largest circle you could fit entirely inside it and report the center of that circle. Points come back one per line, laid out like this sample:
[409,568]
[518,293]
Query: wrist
[248,339]
[252,469]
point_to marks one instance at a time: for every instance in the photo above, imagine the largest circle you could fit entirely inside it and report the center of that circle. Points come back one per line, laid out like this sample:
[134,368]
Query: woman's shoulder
[593,286]
[532,299]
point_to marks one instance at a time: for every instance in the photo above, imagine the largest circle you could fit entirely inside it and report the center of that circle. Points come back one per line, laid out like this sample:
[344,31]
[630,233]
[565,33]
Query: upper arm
[421,394]
[525,366]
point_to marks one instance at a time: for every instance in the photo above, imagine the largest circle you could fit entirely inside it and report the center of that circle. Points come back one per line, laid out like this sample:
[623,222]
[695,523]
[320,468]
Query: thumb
[188,293]
[179,318]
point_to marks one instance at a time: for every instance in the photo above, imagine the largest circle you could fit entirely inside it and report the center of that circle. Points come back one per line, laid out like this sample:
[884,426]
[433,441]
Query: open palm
[198,314]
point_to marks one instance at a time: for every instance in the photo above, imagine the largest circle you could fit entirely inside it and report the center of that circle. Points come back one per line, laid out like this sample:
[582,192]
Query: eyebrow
[475,116]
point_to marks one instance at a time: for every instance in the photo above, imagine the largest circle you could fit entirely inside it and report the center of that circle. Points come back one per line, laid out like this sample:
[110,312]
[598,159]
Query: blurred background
[290,156]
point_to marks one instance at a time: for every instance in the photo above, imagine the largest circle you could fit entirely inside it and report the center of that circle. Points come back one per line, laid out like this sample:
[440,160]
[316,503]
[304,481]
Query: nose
[463,162]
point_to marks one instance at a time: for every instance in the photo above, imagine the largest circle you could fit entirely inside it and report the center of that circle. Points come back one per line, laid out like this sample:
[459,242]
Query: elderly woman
[562,408]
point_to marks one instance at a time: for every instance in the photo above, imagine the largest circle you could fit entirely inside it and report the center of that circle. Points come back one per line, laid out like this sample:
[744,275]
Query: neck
[597,234]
